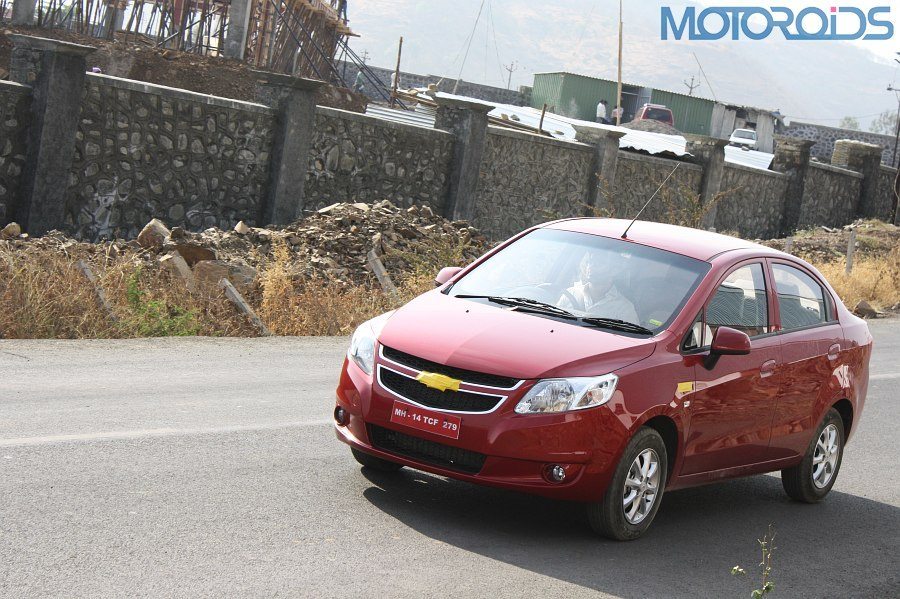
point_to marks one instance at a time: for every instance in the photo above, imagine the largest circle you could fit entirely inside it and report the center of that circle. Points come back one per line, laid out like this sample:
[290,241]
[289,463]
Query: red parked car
[579,364]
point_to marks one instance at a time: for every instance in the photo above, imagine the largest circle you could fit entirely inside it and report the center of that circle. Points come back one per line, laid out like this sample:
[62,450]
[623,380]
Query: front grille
[456,401]
[469,376]
[423,450]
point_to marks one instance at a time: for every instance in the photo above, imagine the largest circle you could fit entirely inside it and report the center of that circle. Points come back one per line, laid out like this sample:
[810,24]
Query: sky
[819,81]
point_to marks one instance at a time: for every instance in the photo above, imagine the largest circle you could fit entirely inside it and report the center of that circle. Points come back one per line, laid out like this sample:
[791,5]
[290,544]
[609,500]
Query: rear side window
[801,300]
[739,303]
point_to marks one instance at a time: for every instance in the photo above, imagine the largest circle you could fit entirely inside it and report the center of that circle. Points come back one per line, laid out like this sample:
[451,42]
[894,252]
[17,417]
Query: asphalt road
[207,467]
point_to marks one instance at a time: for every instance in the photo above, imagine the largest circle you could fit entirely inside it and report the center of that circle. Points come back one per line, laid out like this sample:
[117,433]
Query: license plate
[426,420]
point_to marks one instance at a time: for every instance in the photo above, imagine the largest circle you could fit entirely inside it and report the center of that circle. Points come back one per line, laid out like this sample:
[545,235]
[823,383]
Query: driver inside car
[595,293]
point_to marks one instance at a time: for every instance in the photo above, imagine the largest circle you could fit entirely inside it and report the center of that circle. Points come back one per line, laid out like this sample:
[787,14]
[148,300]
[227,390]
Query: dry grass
[44,295]
[875,279]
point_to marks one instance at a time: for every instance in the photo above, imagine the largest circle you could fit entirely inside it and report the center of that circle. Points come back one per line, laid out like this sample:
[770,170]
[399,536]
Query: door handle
[767,368]
[833,352]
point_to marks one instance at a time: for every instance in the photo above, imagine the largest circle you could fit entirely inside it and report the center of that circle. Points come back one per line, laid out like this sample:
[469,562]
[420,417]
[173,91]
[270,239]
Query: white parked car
[743,137]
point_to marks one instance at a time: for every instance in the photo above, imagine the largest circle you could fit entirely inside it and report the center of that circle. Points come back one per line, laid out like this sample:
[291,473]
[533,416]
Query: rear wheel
[636,489]
[812,479]
[369,461]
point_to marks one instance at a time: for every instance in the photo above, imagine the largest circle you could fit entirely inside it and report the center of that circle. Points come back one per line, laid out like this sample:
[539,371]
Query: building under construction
[298,37]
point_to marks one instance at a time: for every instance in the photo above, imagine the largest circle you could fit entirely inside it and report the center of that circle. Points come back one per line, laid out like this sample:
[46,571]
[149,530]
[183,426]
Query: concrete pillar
[792,158]
[236,33]
[603,165]
[467,121]
[865,159]
[294,99]
[709,152]
[23,12]
[55,70]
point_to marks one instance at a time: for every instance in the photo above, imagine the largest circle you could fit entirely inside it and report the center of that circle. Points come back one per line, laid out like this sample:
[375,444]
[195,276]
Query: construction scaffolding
[296,37]
[300,37]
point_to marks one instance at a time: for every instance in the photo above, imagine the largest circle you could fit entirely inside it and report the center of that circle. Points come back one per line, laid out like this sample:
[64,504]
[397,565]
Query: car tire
[608,517]
[367,460]
[812,479]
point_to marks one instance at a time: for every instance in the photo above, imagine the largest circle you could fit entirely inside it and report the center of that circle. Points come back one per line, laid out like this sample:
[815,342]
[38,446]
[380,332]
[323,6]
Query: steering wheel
[568,295]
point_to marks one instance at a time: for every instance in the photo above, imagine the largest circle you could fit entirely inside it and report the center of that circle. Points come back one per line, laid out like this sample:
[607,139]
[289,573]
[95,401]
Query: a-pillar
[603,166]
[467,121]
[865,159]
[294,100]
[236,33]
[792,158]
[709,152]
[55,70]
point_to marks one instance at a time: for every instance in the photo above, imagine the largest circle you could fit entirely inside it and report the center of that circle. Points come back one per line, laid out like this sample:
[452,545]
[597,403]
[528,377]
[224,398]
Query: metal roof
[562,127]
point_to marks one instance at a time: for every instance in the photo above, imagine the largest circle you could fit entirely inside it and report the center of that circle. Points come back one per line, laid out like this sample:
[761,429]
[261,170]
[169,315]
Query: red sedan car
[580,364]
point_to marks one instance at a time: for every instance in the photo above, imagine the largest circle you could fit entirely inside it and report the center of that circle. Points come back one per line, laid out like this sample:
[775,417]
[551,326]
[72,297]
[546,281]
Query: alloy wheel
[641,486]
[826,455]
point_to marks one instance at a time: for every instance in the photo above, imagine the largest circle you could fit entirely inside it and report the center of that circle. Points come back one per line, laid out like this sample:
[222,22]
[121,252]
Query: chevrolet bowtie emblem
[438,381]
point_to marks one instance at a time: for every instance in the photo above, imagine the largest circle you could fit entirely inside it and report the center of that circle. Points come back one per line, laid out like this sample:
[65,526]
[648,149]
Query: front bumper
[518,448]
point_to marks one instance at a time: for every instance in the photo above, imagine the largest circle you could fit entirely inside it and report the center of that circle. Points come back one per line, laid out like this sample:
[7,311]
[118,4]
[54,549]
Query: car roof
[694,243]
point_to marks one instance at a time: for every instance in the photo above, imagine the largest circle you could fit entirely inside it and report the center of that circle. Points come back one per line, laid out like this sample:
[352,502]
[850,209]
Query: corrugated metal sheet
[751,158]
[692,114]
[407,117]
[546,90]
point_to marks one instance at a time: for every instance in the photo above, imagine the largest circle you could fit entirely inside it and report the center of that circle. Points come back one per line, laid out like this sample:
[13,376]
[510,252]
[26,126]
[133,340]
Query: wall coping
[888,169]
[12,86]
[658,160]
[174,92]
[542,139]
[756,171]
[836,169]
[348,115]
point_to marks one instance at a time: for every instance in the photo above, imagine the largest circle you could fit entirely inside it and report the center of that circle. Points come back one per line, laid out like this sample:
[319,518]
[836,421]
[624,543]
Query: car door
[733,400]
[810,337]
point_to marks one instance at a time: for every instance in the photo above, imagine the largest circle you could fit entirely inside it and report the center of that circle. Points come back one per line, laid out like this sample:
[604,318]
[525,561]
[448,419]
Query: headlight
[562,395]
[362,344]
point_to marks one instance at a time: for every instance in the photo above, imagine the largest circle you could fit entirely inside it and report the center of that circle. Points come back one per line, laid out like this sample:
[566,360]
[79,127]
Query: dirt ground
[136,57]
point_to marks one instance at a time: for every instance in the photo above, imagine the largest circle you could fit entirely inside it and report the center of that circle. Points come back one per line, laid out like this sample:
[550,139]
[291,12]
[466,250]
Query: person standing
[601,112]
[617,115]
[358,84]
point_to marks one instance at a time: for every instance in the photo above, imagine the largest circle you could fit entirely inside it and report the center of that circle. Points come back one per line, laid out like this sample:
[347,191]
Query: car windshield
[744,134]
[587,276]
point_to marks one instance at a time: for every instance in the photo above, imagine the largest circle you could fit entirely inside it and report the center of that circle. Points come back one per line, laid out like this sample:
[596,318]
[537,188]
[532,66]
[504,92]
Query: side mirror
[730,342]
[726,342]
[446,273]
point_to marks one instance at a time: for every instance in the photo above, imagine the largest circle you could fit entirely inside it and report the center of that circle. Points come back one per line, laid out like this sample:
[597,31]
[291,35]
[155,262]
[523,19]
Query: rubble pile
[333,242]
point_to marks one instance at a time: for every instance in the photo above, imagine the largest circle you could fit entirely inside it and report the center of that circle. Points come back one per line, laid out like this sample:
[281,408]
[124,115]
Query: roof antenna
[625,234]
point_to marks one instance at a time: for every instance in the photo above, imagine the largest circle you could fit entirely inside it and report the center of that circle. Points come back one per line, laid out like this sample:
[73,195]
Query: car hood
[489,338]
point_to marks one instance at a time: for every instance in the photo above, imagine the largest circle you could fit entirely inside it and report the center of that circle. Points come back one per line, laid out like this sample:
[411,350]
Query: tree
[849,122]
[885,123]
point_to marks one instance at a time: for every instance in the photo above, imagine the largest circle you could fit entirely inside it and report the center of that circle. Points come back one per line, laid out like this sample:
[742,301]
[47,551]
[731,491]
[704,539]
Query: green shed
[577,96]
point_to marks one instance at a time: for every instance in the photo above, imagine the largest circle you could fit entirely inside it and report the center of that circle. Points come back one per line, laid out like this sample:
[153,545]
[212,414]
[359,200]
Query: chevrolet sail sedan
[579,363]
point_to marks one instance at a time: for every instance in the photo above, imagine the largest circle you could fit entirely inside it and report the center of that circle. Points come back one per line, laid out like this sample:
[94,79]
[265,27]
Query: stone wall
[886,178]
[145,151]
[358,158]
[826,136]
[752,202]
[15,100]
[637,178]
[527,179]
[489,93]
[830,195]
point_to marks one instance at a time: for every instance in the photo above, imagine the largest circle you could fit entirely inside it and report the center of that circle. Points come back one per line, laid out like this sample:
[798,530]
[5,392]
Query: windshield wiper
[525,304]
[617,325]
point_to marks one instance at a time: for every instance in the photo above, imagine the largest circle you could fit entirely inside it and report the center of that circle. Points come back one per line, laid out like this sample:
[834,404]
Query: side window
[739,303]
[801,301]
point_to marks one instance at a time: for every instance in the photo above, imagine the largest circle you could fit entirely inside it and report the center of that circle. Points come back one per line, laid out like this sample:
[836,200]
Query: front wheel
[812,479]
[635,491]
